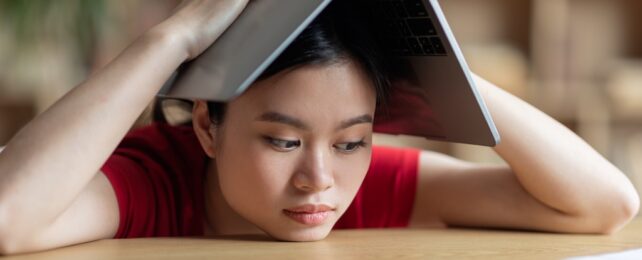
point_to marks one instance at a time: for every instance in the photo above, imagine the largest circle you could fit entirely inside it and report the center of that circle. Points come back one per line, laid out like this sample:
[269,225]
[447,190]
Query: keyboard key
[437,45]
[426,45]
[421,27]
[415,8]
[403,28]
[414,46]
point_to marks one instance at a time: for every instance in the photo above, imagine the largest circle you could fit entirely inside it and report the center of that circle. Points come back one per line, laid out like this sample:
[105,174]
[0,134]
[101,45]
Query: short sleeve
[387,194]
[156,173]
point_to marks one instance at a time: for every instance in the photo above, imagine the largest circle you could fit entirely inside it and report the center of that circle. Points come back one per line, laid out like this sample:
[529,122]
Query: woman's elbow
[619,213]
[631,204]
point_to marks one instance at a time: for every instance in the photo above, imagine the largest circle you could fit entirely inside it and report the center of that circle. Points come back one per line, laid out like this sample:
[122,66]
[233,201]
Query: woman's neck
[220,218]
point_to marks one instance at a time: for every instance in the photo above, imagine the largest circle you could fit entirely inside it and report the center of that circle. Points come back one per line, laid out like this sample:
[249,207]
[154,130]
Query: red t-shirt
[157,173]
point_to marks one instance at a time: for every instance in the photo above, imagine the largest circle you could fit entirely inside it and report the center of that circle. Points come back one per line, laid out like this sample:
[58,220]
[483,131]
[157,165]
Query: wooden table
[361,244]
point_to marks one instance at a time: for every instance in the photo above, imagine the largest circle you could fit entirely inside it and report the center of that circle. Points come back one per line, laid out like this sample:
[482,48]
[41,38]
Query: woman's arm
[50,162]
[554,180]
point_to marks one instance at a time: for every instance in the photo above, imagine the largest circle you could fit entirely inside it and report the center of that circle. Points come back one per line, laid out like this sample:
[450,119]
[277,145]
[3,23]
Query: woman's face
[295,148]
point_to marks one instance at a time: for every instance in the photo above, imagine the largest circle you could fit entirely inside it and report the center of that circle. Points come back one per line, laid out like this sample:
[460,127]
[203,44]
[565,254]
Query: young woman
[290,157]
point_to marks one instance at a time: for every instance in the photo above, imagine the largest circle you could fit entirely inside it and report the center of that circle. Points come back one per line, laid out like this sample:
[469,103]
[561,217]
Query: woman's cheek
[266,170]
[353,170]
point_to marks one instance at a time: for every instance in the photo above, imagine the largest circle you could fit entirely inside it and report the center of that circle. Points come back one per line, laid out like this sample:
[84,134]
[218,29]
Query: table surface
[362,244]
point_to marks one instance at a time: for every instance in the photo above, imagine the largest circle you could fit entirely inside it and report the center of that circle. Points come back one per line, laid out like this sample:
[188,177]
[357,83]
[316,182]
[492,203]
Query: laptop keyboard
[407,28]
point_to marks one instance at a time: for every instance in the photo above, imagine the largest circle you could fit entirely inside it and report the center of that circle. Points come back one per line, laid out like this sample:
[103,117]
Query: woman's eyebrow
[362,119]
[276,117]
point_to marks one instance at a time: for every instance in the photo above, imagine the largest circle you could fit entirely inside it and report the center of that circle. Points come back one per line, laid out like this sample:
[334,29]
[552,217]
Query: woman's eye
[285,145]
[350,147]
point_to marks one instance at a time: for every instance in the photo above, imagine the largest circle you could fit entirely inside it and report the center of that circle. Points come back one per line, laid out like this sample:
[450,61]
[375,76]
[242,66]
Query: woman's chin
[302,235]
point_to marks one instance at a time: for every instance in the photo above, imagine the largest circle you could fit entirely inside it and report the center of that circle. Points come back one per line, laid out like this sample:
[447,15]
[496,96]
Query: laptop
[441,103]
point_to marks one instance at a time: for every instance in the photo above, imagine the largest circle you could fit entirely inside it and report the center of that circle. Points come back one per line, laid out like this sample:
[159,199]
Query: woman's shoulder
[387,194]
[162,132]
[163,140]
[156,173]
[388,158]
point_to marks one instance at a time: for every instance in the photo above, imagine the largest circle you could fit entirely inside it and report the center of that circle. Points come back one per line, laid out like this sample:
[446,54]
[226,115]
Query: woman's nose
[315,173]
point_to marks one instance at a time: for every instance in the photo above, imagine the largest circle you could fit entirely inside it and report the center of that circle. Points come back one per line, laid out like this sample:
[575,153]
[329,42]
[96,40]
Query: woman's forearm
[48,163]
[554,165]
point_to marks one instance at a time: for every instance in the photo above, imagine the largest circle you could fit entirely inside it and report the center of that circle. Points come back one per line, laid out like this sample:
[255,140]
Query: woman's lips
[309,214]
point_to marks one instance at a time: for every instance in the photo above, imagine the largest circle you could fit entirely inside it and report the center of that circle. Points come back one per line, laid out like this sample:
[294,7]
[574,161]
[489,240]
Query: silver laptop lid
[443,103]
[230,65]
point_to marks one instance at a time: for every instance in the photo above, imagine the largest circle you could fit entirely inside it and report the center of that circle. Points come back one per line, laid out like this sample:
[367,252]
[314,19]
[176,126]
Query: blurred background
[580,61]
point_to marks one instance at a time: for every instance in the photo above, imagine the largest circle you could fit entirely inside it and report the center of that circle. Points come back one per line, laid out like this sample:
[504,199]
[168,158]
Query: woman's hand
[196,24]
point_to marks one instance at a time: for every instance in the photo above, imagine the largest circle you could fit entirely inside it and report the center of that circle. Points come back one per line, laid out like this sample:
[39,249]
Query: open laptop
[441,104]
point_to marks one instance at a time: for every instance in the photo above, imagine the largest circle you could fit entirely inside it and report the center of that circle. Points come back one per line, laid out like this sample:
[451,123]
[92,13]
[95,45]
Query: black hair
[339,34]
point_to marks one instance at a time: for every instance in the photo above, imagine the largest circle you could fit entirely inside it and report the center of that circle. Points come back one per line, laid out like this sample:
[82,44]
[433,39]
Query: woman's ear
[204,128]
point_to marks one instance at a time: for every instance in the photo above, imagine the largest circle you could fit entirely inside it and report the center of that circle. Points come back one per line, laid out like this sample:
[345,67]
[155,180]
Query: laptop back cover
[257,37]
